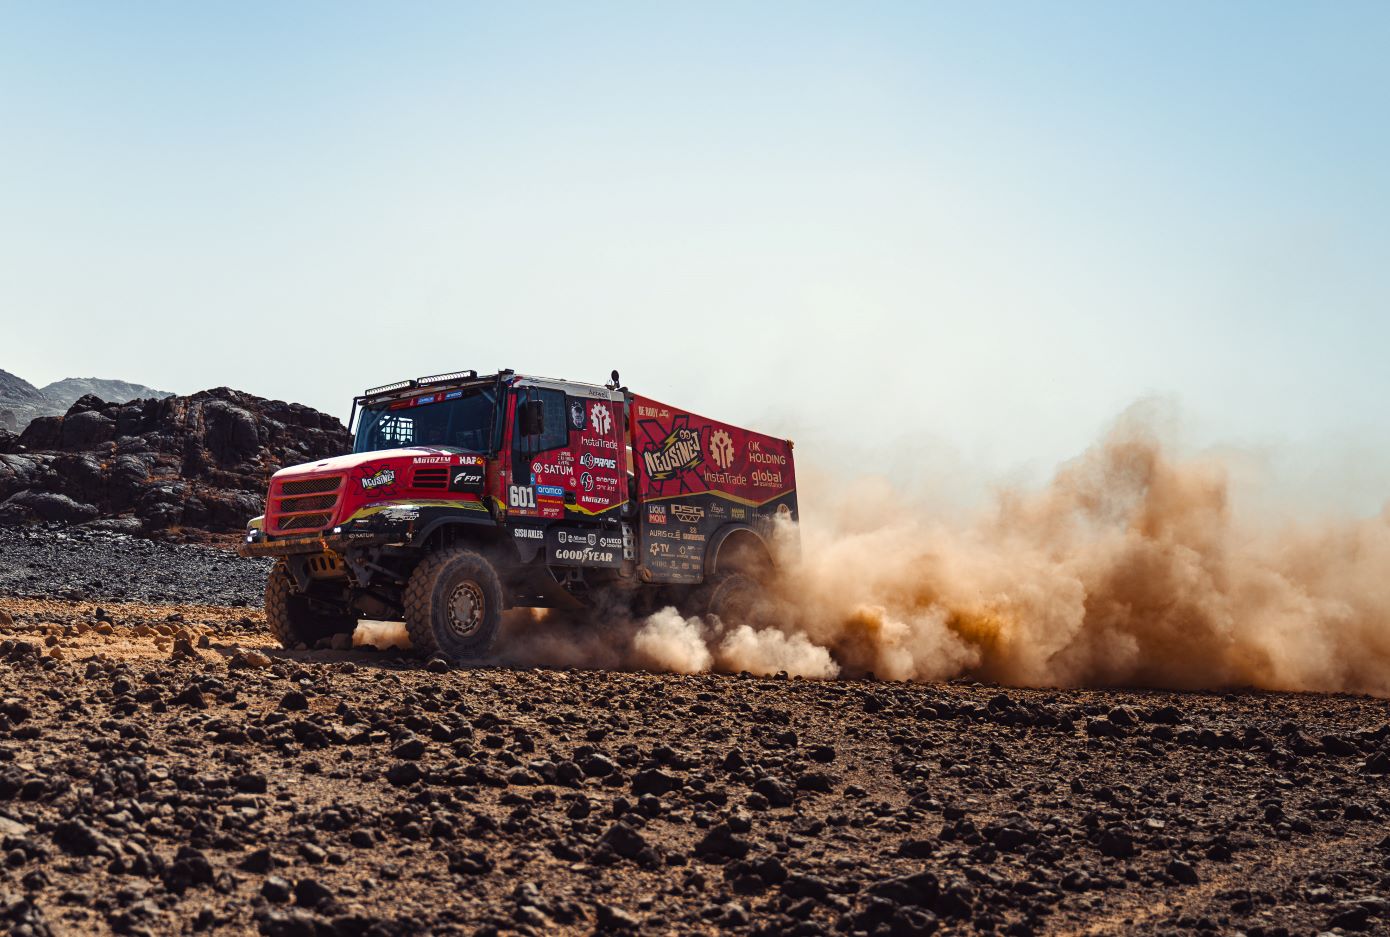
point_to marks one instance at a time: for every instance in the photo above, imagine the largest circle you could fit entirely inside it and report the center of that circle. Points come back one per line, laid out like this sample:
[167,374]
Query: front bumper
[317,543]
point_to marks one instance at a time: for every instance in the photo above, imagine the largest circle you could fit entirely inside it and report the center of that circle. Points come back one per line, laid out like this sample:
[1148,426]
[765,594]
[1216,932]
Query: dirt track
[200,779]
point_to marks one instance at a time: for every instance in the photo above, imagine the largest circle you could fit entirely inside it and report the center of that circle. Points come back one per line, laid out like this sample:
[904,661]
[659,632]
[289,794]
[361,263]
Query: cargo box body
[698,478]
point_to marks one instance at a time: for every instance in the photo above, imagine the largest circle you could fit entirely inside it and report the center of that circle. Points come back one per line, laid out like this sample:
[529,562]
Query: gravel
[54,561]
[148,785]
[165,767]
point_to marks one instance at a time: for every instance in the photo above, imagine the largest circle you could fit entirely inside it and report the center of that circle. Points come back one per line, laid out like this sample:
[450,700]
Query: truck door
[539,436]
[567,454]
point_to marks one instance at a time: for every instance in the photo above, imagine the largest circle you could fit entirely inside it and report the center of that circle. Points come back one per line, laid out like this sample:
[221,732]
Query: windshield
[459,419]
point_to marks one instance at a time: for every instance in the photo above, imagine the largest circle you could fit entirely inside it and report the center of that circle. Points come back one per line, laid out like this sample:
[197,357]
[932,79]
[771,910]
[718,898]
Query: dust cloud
[1130,568]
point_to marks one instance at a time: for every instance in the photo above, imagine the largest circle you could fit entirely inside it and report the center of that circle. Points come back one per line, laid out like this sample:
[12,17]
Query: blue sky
[972,233]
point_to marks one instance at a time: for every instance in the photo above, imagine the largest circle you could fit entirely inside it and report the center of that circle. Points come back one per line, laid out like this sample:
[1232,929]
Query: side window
[554,431]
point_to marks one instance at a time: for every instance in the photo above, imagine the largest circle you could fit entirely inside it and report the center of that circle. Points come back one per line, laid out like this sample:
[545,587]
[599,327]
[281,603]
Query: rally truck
[466,495]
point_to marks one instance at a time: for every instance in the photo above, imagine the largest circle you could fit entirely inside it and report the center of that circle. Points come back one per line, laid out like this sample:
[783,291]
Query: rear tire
[453,605]
[734,598]
[292,618]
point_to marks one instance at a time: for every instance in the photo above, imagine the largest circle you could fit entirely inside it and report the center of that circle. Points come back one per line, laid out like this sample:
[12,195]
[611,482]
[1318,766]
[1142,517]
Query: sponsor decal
[521,496]
[664,534]
[528,533]
[725,479]
[762,478]
[602,419]
[421,401]
[656,514]
[659,413]
[586,555]
[738,514]
[593,442]
[721,448]
[466,478]
[717,509]
[692,535]
[378,480]
[584,547]
[432,460]
[550,501]
[671,453]
[577,420]
[471,460]
[453,395]
[756,454]
[586,481]
[589,460]
[688,513]
[563,465]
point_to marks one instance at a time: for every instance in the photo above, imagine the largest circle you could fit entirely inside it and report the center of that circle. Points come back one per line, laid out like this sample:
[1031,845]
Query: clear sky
[972,233]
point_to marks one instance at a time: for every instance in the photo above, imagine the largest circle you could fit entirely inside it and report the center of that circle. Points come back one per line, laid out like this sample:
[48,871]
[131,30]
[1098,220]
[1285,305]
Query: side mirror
[532,418]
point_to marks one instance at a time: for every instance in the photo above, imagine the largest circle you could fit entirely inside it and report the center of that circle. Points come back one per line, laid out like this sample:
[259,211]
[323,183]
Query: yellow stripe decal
[721,494]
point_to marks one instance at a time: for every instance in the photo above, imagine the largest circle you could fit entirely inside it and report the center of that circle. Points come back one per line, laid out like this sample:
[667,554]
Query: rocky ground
[57,561]
[164,769]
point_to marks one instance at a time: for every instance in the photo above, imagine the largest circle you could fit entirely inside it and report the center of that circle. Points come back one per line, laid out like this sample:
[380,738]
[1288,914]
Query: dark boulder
[196,463]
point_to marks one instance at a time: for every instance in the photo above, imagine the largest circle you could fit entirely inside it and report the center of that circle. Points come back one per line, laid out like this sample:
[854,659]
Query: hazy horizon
[950,244]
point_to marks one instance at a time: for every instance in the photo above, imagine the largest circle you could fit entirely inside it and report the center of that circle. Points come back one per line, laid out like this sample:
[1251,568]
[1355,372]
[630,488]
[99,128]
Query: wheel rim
[467,607]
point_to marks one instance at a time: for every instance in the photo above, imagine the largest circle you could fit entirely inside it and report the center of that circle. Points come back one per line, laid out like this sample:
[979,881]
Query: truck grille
[303,504]
[432,478]
[305,486]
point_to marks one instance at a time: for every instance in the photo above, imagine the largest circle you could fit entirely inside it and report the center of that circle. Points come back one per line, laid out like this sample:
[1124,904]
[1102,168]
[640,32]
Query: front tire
[453,605]
[292,618]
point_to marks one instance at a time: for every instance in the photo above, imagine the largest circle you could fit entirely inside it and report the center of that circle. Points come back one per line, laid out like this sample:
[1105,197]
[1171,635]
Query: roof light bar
[399,385]
[450,376]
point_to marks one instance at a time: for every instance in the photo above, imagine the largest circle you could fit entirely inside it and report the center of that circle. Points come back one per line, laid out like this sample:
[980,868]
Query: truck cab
[465,495]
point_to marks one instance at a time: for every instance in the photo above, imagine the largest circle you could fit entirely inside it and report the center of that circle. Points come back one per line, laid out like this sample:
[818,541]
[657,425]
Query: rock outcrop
[177,466]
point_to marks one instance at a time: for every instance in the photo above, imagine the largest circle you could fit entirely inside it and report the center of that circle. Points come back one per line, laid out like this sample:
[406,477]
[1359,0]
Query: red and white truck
[466,495]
